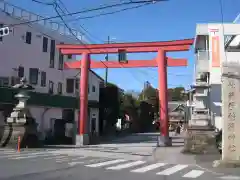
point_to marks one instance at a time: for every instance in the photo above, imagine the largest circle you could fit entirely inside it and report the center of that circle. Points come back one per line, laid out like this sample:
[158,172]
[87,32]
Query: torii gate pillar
[163,99]
[82,138]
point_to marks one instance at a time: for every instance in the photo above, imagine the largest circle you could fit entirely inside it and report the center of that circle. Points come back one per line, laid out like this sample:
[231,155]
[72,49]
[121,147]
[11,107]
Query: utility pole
[106,58]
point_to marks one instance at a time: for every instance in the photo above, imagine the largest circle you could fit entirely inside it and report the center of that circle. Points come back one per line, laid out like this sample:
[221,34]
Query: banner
[214,39]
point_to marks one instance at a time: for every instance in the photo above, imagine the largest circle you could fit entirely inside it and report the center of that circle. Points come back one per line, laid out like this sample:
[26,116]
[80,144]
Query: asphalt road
[103,162]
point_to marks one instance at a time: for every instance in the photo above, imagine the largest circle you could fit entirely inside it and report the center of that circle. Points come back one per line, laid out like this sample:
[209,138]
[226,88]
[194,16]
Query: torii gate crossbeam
[161,61]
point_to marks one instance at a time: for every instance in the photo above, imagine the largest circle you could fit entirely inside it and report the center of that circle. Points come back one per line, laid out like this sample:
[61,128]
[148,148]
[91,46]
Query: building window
[45,44]
[70,85]
[51,85]
[93,88]
[59,89]
[20,71]
[69,56]
[33,75]
[52,53]
[60,61]
[28,37]
[4,81]
[43,78]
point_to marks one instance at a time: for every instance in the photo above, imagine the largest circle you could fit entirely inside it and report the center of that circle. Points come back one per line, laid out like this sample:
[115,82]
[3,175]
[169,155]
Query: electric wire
[87,33]
[222,24]
[84,44]
[56,5]
[87,10]
[109,13]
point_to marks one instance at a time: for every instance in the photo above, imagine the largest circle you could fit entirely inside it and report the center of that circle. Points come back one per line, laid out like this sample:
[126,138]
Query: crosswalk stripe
[8,152]
[148,168]
[75,163]
[193,174]
[106,163]
[172,170]
[126,165]
[21,154]
[30,156]
[52,157]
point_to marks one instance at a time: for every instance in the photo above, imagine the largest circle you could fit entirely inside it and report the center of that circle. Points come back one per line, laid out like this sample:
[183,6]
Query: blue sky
[170,20]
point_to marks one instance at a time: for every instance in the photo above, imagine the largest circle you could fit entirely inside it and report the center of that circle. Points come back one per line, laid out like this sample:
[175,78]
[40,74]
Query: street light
[4,31]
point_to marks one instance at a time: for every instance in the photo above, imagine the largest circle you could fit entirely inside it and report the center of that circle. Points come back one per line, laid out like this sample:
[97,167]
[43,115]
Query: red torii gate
[161,61]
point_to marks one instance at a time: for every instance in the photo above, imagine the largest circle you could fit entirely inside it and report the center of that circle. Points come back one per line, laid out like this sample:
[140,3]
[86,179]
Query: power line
[56,5]
[43,3]
[81,26]
[88,10]
[109,13]
[81,42]
[70,30]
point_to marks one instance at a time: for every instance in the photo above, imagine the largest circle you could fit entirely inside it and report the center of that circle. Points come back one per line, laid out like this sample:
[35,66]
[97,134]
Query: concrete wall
[44,117]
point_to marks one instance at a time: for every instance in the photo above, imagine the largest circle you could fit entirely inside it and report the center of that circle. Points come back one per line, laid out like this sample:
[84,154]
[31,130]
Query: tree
[129,106]
[149,95]
[109,107]
[148,108]
[176,94]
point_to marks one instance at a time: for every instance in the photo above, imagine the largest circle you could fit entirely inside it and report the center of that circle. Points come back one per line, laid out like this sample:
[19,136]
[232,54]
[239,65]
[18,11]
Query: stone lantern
[20,123]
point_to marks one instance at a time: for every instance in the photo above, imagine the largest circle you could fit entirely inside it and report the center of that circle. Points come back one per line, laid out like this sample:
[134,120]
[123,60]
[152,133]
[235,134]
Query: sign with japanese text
[230,108]
[214,46]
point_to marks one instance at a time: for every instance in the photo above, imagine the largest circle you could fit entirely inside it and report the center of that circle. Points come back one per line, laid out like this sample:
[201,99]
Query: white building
[29,50]
[214,44]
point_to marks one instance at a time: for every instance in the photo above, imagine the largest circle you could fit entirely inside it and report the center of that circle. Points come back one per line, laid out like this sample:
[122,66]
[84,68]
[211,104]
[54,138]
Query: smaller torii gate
[161,61]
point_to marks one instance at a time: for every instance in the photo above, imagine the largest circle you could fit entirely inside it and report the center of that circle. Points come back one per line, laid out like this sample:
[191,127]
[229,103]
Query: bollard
[18,144]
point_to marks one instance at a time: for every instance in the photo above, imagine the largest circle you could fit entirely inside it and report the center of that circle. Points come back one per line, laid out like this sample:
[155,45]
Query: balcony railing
[24,15]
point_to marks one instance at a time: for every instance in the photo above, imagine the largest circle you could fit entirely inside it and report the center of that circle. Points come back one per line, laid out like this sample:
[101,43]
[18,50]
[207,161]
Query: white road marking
[62,159]
[21,154]
[193,174]
[172,170]
[75,163]
[31,156]
[230,177]
[106,163]
[8,152]
[148,168]
[52,157]
[126,165]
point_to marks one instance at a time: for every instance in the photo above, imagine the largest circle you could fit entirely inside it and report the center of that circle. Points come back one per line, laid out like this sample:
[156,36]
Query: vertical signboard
[230,94]
[215,51]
